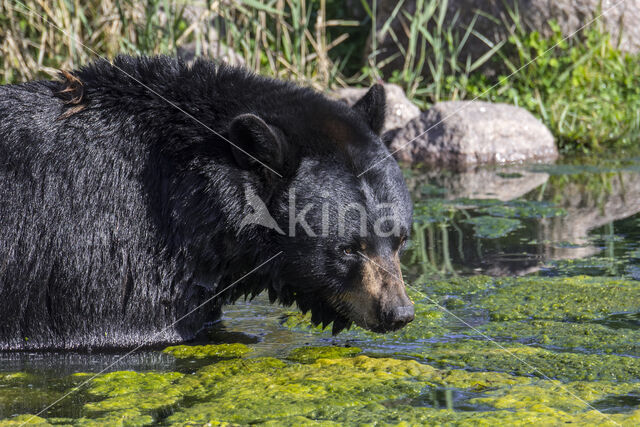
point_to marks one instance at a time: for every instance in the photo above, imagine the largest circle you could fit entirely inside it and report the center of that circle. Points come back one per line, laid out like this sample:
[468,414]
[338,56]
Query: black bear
[124,192]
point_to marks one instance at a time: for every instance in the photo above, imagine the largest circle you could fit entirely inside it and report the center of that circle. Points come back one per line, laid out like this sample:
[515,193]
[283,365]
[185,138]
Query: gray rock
[463,133]
[399,109]
[622,22]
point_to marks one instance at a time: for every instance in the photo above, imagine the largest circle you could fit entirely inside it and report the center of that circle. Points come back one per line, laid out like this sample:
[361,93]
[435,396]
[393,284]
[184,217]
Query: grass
[434,67]
[280,38]
[583,89]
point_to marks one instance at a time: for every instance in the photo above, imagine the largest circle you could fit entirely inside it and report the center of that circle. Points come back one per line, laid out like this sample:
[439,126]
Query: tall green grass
[312,41]
[584,88]
[435,65]
[281,38]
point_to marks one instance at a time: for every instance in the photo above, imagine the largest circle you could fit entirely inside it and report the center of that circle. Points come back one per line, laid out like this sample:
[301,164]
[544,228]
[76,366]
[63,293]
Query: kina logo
[258,213]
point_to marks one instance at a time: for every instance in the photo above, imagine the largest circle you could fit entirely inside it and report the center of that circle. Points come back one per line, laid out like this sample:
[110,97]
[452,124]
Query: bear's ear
[256,144]
[372,107]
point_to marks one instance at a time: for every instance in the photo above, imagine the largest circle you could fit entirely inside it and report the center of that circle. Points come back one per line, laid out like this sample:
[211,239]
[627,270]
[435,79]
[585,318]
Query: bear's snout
[399,316]
[379,301]
[397,308]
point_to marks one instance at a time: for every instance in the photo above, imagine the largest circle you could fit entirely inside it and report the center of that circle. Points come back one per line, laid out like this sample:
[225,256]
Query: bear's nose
[400,316]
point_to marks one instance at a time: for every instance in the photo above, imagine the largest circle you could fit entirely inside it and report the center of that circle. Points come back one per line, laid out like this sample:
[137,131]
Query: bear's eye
[352,250]
[403,242]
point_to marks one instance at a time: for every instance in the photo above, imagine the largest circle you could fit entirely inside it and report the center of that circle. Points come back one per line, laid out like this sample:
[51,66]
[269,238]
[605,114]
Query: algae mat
[335,386]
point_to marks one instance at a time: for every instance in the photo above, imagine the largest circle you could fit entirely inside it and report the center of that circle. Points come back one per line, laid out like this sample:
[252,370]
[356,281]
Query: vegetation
[219,351]
[282,38]
[341,390]
[583,88]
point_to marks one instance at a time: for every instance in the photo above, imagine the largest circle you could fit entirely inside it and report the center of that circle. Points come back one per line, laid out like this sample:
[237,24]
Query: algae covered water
[526,282]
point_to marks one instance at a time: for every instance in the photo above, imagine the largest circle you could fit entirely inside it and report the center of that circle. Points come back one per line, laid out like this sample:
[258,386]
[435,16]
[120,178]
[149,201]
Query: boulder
[399,109]
[464,133]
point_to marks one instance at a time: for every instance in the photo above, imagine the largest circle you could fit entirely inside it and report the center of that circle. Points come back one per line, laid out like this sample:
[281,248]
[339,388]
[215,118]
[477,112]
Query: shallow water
[526,286]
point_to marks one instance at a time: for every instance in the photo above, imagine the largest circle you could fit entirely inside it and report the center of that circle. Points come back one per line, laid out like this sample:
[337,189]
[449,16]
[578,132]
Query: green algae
[453,303]
[461,286]
[27,419]
[124,390]
[571,298]
[578,298]
[403,416]
[15,377]
[127,417]
[570,397]
[14,399]
[433,211]
[311,354]
[356,390]
[490,227]
[567,336]
[262,389]
[221,351]
[618,403]
[525,360]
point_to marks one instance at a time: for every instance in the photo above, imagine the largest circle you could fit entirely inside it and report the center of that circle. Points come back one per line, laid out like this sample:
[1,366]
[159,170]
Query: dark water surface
[530,271]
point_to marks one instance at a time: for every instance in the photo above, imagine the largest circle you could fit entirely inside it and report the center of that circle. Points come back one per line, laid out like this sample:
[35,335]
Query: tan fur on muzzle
[380,291]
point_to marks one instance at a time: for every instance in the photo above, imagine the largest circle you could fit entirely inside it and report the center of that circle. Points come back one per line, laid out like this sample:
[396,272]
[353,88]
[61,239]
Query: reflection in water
[618,404]
[591,204]
[518,220]
[621,321]
[506,184]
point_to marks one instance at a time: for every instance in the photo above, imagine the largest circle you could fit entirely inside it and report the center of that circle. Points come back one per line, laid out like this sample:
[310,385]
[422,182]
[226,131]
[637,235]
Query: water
[475,232]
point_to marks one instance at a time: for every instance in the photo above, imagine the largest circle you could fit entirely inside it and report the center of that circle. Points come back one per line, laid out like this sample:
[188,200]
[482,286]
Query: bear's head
[325,191]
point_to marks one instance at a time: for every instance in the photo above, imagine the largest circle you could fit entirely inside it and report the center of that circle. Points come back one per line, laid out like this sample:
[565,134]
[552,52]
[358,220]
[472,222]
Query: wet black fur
[119,213]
